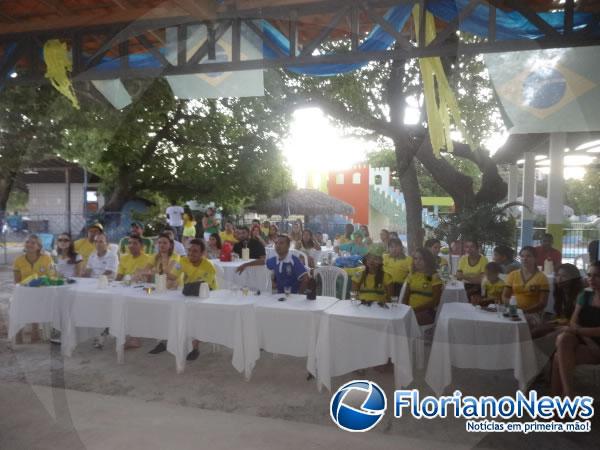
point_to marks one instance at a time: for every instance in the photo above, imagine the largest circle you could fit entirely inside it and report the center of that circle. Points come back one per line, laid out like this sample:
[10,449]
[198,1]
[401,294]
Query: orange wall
[355,194]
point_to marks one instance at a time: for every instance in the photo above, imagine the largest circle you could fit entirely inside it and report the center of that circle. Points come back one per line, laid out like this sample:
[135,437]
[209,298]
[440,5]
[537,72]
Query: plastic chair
[221,282]
[329,276]
[257,278]
[300,254]
[582,262]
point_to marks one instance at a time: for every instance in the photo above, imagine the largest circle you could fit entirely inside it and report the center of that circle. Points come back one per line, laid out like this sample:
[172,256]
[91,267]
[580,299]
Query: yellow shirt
[227,237]
[527,293]
[467,269]
[397,268]
[368,291]
[85,248]
[205,271]
[493,290]
[421,288]
[41,267]
[128,265]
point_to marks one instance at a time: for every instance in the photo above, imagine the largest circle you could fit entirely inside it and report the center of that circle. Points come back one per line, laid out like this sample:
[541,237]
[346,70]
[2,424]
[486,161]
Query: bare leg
[566,343]
[556,382]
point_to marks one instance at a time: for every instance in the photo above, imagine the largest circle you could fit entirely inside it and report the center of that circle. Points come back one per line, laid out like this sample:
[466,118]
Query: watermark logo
[358,406]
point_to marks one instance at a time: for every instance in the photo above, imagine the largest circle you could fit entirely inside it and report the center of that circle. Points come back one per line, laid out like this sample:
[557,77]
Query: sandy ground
[40,390]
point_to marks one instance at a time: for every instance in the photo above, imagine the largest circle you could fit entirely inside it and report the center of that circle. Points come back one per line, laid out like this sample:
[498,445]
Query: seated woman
[579,342]
[165,261]
[397,264]
[33,263]
[567,287]
[69,263]
[366,235]
[373,284]
[529,286]
[471,267]
[491,287]
[273,234]
[255,233]
[213,249]
[434,246]
[309,246]
[424,287]
[356,247]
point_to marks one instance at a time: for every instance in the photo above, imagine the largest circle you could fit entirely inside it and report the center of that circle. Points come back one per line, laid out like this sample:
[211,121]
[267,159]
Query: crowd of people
[388,272]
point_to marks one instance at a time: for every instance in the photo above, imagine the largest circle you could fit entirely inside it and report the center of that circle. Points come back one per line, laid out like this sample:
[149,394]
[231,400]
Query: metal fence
[575,240]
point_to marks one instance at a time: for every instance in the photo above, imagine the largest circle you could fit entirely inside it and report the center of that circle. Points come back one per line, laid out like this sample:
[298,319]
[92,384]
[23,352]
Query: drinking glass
[287,290]
[354,298]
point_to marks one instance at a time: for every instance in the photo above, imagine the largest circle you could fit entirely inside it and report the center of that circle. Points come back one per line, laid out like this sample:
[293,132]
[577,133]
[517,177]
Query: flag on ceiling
[543,91]
[246,83]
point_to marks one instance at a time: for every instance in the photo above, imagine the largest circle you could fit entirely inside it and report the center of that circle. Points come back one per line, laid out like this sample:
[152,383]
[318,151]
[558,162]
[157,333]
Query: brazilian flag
[545,91]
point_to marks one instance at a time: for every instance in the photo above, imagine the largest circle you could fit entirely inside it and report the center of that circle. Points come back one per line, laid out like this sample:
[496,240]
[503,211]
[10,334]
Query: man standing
[547,252]
[175,219]
[257,249]
[102,262]
[288,271]
[137,228]
[86,246]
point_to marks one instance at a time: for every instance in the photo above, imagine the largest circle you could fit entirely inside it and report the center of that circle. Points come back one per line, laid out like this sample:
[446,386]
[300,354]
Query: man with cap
[136,228]
[87,245]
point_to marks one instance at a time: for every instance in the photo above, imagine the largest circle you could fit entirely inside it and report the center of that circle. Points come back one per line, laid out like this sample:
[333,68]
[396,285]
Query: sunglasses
[63,240]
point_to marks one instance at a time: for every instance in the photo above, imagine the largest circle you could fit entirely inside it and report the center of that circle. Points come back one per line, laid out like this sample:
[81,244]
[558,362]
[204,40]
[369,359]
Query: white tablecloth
[35,305]
[254,279]
[225,320]
[356,337]
[469,338]
[290,327]
[453,293]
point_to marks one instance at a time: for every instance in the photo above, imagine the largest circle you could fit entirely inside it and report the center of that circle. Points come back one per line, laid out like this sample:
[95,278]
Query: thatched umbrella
[307,202]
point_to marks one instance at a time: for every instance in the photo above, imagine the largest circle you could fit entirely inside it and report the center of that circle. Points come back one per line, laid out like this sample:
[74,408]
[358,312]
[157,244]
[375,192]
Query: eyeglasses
[63,240]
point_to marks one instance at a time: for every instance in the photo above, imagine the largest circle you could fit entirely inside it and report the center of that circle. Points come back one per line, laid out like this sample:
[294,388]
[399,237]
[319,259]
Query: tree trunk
[412,197]
[6,184]
[120,194]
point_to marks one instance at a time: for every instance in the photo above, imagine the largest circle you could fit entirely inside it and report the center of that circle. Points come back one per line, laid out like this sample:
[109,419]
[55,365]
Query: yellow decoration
[442,106]
[58,64]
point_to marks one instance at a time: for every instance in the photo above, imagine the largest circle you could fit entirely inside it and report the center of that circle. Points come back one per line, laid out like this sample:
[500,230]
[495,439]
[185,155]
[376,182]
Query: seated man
[87,245]
[137,228]
[288,270]
[547,252]
[257,249]
[101,261]
[135,261]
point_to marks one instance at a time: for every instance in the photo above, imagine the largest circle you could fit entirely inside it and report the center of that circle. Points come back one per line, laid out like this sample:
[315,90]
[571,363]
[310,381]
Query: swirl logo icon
[358,406]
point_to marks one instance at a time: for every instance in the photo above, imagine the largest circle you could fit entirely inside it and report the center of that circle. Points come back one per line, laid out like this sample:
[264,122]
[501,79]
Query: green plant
[488,224]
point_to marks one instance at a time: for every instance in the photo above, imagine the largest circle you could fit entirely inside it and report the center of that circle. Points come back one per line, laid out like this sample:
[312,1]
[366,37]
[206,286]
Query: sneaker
[99,342]
[161,347]
[55,341]
[193,355]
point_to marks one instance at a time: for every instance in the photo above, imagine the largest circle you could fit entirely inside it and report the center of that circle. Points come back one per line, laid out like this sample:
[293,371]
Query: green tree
[584,195]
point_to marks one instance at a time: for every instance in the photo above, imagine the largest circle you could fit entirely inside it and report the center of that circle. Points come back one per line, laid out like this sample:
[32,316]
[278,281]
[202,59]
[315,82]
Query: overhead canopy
[308,202]
[118,39]
[540,206]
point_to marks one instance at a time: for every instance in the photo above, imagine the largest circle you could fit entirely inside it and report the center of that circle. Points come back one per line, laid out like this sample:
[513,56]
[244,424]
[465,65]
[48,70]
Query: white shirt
[66,269]
[101,264]
[175,216]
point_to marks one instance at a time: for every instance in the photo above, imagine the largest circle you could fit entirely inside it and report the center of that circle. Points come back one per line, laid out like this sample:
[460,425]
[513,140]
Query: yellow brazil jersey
[421,288]
[493,290]
[398,268]
[85,248]
[42,266]
[468,269]
[369,291]
[128,265]
[227,237]
[205,271]
[527,292]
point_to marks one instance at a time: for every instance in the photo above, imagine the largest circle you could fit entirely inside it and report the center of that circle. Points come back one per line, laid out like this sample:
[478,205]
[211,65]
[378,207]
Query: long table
[246,324]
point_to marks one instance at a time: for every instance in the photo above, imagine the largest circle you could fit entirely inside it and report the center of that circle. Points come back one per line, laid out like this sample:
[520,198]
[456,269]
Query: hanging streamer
[440,101]
[58,65]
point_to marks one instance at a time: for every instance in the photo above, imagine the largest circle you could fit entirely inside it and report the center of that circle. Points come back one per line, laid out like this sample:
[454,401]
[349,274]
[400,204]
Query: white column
[513,183]
[528,197]
[556,183]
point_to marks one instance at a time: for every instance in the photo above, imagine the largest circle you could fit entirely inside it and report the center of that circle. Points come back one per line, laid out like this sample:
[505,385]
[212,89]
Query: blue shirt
[287,272]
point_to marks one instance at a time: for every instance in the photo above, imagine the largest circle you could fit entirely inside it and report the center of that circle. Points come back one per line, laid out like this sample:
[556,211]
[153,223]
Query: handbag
[192,289]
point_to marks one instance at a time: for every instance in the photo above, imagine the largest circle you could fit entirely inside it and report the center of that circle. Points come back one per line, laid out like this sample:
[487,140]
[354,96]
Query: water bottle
[512,306]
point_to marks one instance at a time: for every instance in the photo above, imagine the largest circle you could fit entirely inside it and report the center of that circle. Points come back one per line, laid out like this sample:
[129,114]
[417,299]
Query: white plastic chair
[257,278]
[329,276]
[221,282]
[582,262]
[300,254]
